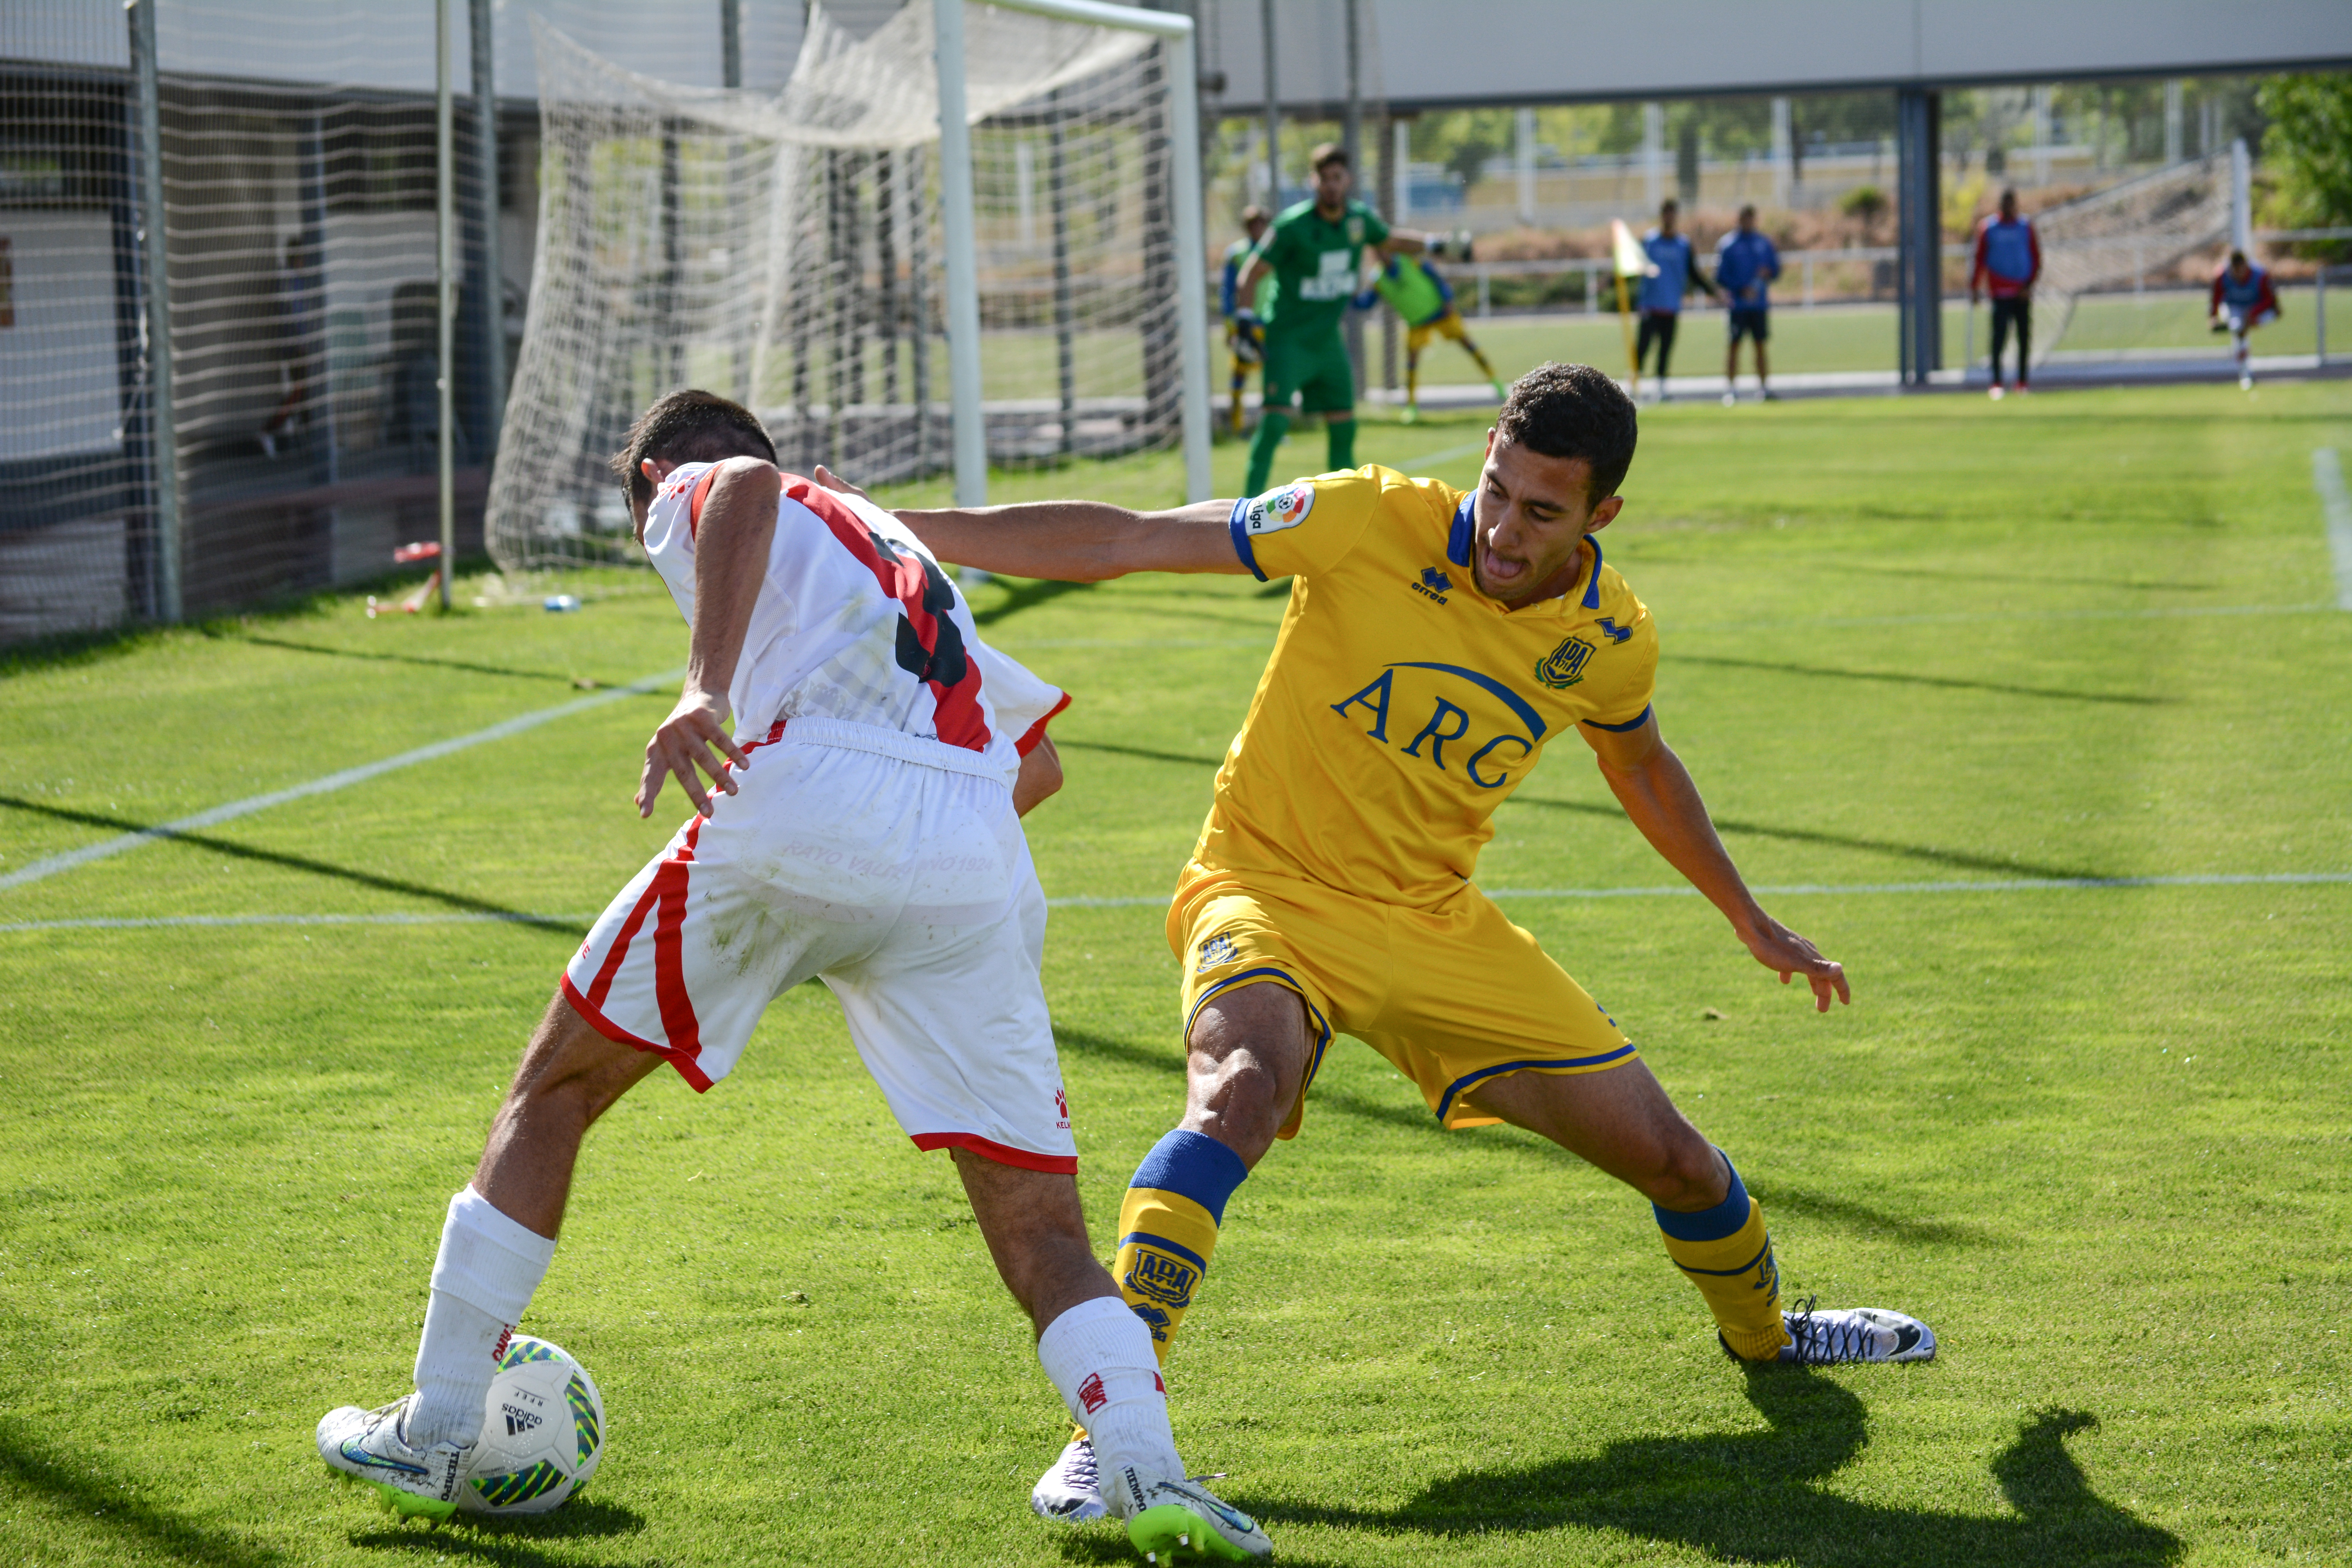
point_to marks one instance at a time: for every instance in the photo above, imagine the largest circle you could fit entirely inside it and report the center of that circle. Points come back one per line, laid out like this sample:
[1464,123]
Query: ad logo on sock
[1091,1394]
[505,1336]
[1156,1276]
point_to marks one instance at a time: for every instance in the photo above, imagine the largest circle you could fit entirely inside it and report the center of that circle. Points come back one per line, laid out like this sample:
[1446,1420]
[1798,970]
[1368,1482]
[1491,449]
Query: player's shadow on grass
[1759,1497]
[1028,595]
[1951,683]
[1145,753]
[110,1509]
[2007,865]
[466,1539]
[297,863]
[372,657]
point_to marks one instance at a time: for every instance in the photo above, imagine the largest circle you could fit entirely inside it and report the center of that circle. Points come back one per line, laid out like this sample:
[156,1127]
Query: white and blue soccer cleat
[1179,1520]
[1071,1487]
[366,1446]
[1853,1335]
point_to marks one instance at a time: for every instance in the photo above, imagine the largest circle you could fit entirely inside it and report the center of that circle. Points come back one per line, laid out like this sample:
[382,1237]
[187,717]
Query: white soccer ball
[542,1433]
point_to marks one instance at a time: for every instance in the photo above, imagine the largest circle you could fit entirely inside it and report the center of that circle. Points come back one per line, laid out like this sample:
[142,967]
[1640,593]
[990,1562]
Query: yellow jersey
[1400,705]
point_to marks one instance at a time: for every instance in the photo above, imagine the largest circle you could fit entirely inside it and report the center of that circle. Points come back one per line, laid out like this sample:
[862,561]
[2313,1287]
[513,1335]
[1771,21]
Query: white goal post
[960,227]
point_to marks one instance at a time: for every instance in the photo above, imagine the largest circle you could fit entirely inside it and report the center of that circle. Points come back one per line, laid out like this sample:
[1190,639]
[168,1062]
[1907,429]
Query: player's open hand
[682,744]
[1786,953]
[827,479]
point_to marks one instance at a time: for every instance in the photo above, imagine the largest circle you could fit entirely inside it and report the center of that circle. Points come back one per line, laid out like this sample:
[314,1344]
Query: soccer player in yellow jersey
[1436,641]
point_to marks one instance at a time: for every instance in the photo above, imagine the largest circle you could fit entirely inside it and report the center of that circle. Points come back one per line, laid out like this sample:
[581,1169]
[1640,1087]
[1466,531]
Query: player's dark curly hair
[689,426]
[1573,411]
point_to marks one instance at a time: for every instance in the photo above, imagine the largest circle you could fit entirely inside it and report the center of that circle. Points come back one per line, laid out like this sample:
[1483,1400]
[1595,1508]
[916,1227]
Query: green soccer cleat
[1182,1521]
[366,1446]
[1412,415]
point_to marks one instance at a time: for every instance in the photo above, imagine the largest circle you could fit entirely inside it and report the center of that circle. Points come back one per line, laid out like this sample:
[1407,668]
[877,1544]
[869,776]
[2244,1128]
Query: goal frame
[960,226]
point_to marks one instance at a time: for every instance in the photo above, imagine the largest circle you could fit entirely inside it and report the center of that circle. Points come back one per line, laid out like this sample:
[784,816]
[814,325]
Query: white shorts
[889,866]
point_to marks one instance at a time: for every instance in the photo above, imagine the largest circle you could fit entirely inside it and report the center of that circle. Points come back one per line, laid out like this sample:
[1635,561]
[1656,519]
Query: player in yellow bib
[1436,641]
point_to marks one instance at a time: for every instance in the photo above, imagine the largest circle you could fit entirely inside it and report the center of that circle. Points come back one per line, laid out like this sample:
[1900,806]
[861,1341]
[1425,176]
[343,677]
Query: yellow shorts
[1448,325]
[1453,996]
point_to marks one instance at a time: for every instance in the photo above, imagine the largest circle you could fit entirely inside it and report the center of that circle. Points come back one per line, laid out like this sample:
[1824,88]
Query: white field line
[2327,475]
[2015,885]
[104,847]
[162,922]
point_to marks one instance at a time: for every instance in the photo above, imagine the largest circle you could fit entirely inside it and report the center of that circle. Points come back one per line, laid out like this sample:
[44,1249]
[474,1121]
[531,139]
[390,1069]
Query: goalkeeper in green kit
[1315,254]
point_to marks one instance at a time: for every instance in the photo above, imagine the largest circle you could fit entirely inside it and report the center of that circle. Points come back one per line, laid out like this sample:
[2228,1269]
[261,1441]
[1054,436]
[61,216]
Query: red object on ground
[415,602]
[424,550]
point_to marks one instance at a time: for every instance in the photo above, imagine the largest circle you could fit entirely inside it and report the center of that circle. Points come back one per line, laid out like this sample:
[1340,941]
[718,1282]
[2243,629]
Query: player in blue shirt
[1673,268]
[1745,265]
[2007,261]
[1244,326]
[2242,301]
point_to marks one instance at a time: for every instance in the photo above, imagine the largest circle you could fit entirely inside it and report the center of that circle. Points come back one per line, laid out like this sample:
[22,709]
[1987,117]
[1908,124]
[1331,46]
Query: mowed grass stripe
[520,725]
[1088,901]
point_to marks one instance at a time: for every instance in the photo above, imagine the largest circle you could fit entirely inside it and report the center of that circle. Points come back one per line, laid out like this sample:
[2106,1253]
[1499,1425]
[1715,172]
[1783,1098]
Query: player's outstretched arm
[1080,541]
[1651,783]
[731,537]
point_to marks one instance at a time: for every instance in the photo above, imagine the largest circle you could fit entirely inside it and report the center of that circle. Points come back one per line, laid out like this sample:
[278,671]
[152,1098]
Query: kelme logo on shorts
[1280,509]
[1159,1277]
[1565,664]
[1219,949]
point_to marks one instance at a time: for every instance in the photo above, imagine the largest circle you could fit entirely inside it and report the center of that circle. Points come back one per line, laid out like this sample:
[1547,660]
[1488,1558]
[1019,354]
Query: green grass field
[2096,1137]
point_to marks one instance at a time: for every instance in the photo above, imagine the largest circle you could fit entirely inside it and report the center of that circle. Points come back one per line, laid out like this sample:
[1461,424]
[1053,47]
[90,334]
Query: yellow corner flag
[1627,259]
[1626,251]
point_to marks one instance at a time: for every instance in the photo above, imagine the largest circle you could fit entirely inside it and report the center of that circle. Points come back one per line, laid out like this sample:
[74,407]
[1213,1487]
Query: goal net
[2144,225]
[786,250]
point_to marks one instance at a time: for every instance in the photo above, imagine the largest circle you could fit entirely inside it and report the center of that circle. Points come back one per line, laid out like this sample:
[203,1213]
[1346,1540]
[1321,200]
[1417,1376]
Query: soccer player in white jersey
[864,829]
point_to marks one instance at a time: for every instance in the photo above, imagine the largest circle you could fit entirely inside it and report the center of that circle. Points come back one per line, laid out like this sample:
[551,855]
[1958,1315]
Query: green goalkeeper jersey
[1316,263]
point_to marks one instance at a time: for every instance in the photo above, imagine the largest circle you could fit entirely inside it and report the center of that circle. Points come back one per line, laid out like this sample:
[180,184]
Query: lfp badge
[1280,508]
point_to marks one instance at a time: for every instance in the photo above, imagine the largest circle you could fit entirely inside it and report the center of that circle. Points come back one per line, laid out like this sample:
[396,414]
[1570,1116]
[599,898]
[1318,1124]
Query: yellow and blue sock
[1726,1252]
[1168,1227]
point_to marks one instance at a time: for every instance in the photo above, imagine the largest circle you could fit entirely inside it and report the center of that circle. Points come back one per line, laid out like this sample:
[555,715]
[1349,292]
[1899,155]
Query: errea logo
[1433,585]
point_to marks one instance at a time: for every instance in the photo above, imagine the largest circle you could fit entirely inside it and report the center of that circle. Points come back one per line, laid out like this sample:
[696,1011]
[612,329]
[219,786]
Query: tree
[2309,148]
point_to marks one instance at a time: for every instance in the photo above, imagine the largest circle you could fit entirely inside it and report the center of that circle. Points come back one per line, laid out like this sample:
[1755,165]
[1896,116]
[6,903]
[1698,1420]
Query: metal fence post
[161,430]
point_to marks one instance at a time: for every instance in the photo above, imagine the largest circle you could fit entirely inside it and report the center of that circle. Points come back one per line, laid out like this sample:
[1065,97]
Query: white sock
[483,1279]
[1099,1354]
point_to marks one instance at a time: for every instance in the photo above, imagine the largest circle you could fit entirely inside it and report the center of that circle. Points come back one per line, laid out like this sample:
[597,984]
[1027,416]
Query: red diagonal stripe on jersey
[956,714]
[693,504]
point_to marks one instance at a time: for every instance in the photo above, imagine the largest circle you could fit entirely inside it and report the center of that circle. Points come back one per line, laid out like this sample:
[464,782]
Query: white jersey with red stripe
[857,622]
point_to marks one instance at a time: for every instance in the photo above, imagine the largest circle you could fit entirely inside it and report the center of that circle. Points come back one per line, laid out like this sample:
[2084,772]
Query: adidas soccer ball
[541,1436]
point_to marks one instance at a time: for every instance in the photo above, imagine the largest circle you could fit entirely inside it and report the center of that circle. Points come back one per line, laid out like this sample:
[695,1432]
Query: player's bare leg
[1248,1060]
[1036,1233]
[1620,1121]
[1099,1356]
[569,1075]
[496,1244]
[1245,1060]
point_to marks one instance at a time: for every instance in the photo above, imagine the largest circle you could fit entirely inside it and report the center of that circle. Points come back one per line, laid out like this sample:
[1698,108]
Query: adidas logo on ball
[519,1420]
